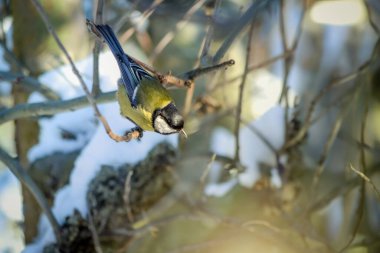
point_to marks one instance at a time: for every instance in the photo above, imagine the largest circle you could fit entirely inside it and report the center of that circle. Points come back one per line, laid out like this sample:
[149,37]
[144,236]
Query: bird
[141,97]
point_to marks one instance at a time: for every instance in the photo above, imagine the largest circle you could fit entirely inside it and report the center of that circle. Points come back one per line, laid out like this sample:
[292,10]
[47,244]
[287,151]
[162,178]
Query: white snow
[266,92]
[220,189]
[253,151]
[10,196]
[10,213]
[52,130]
[5,87]
[275,179]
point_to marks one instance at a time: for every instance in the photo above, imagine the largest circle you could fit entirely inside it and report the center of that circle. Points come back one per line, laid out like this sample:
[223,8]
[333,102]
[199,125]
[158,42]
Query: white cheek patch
[162,126]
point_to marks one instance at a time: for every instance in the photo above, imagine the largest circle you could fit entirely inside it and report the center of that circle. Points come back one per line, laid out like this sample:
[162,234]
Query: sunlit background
[334,40]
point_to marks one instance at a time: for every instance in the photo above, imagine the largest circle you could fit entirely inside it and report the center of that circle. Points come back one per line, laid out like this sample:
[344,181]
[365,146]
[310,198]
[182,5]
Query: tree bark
[37,52]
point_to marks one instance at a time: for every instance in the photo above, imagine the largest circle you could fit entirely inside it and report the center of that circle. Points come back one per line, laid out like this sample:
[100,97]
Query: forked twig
[367,179]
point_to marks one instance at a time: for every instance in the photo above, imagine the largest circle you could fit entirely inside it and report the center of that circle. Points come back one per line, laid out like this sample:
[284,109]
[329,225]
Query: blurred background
[283,148]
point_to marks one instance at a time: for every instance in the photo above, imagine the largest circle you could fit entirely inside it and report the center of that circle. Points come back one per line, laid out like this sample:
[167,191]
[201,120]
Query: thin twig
[212,15]
[111,134]
[288,61]
[370,19]
[360,208]
[308,119]
[252,13]
[283,33]
[179,26]
[341,189]
[95,67]
[202,179]
[260,135]
[286,69]
[203,51]
[94,233]
[190,75]
[187,79]
[362,153]
[253,67]
[241,93]
[367,179]
[16,168]
[127,192]
[168,79]
[146,14]
[285,47]
[330,141]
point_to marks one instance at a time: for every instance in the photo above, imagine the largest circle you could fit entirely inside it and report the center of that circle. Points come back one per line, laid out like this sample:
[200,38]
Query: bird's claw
[134,133]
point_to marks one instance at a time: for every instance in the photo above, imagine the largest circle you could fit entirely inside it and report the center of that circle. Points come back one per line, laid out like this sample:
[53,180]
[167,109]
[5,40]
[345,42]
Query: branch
[145,15]
[95,75]
[370,19]
[341,189]
[253,67]
[30,83]
[191,75]
[252,13]
[90,98]
[241,92]
[16,168]
[169,79]
[349,77]
[180,25]
[51,107]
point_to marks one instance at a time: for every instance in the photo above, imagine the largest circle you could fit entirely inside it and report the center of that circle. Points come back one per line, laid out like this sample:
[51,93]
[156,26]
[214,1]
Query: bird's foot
[135,133]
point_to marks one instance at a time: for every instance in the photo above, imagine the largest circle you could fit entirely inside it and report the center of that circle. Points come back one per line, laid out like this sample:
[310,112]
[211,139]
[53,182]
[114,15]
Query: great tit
[141,97]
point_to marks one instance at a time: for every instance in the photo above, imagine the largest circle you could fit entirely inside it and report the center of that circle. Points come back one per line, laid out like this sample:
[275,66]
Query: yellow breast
[139,115]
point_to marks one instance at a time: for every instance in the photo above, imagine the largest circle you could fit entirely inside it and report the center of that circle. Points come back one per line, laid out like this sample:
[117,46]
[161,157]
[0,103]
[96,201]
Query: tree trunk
[37,51]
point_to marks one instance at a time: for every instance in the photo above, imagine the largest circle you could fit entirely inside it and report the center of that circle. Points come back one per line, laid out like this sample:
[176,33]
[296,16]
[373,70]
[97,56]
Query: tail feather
[131,72]
[110,37]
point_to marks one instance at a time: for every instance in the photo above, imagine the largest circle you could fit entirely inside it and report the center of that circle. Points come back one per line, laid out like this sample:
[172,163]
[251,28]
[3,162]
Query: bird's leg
[134,133]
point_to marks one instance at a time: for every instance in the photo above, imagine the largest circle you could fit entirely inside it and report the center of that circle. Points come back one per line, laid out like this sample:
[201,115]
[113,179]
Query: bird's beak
[183,133]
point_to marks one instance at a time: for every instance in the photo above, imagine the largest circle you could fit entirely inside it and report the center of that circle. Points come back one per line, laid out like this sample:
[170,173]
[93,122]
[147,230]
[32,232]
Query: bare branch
[252,13]
[180,25]
[127,191]
[330,141]
[349,77]
[94,233]
[146,14]
[30,83]
[367,179]
[51,107]
[241,92]
[16,168]
[95,73]
[370,19]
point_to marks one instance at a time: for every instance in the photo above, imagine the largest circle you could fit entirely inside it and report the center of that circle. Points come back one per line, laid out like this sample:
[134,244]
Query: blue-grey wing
[131,72]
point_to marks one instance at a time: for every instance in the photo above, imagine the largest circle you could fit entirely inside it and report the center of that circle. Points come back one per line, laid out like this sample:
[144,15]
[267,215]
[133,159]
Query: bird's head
[167,120]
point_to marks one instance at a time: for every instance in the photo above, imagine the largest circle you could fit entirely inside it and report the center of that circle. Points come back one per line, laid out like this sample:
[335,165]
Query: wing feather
[131,72]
